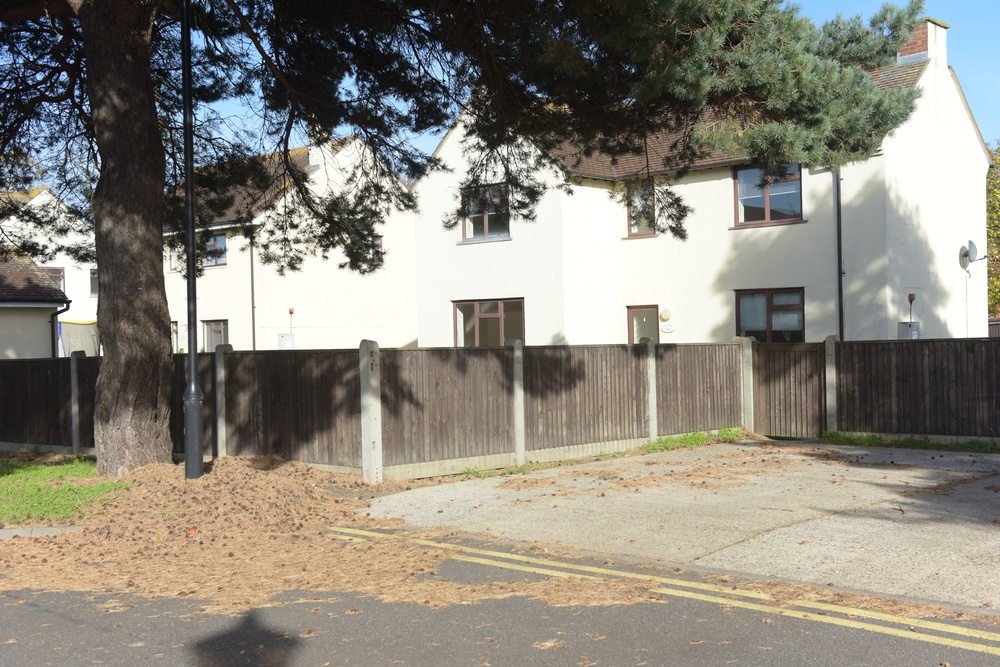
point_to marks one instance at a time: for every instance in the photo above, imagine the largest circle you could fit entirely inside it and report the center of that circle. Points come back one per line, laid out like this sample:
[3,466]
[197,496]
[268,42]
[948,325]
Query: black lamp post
[193,396]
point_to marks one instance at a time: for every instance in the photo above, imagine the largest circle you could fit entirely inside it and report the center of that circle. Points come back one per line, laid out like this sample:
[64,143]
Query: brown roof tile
[22,281]
[249,203]
[662,154]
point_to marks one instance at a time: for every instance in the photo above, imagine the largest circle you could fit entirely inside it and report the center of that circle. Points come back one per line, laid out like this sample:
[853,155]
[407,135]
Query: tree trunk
[132,419]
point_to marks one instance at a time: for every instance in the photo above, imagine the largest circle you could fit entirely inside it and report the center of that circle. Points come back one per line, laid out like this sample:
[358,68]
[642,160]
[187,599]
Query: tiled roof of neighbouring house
[661,147]
[22,281]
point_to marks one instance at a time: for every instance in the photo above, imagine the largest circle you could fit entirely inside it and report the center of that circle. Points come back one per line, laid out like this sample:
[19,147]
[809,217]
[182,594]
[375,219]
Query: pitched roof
[248,202]
[661,146]
[22,281]
[251,203]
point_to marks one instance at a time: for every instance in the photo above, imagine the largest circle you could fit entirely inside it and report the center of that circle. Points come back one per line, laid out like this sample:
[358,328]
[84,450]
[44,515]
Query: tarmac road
[921,525]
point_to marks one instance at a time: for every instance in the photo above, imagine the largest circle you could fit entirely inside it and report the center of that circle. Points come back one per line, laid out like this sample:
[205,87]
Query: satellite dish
[973,252]
[963,257]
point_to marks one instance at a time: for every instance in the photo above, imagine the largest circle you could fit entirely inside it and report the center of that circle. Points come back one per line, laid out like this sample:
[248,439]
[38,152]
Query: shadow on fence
[484,405]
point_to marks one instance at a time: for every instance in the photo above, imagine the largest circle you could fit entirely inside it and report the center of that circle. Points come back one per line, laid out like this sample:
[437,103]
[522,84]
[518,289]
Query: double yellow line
[821,612]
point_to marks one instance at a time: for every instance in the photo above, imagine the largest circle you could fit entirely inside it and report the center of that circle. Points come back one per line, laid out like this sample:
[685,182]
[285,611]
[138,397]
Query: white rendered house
[762,263]
[250,305]
[77,320]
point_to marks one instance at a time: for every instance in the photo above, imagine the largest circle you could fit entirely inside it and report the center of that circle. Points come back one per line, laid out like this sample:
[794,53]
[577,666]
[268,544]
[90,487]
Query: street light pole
[193,396]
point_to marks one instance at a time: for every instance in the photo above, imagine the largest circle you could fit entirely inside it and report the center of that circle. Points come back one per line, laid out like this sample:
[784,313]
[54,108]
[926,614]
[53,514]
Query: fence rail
[443,409]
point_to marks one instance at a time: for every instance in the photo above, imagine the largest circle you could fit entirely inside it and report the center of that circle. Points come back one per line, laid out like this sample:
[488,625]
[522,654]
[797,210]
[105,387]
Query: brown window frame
[631,330]
[483,193]
[477,316]
[207,261]
[767,221]
[211,244]
[772,307]
[211,326]
[633,230]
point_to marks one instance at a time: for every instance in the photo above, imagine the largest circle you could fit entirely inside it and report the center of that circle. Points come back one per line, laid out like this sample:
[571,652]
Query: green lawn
[34,489]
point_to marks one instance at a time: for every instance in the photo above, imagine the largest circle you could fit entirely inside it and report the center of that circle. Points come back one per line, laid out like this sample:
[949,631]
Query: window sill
[636,237]
[776,223]
[489,239]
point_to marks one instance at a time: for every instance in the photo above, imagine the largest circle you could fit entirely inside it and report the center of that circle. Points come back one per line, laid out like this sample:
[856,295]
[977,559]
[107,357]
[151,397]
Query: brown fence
[445,404]
[301,405]
[789,389]
[453,404]
[927,387]
[698,387]
[35,401]
[577,395]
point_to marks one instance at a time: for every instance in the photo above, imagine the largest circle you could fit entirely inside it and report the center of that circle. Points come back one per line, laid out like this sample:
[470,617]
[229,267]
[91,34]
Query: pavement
[913,524]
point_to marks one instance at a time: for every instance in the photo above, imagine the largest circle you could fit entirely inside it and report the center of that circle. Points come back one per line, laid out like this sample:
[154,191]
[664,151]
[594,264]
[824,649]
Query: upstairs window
[771,316]
[215,251]
[641,210]
[487,216]
[778,200]
[489,323]
[93,282]
[57,275]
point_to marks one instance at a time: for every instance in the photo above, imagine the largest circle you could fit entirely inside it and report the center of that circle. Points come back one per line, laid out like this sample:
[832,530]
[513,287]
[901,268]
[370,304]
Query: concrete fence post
[520,455]
[371,413]
[830,345]
[221,448]
[74,399]
[651,402]
[747,382]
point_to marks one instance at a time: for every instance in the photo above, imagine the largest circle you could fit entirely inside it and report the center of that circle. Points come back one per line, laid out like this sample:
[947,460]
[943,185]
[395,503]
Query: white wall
[529,265]
[25,332]
[334,308]
[936,202]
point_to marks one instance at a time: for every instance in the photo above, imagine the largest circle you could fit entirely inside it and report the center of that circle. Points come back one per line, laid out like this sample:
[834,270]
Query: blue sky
[971,47]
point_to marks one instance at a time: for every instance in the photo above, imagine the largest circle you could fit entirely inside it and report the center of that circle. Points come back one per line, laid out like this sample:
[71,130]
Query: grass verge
[664,444]
[688,440]
[872,440]
[34,490]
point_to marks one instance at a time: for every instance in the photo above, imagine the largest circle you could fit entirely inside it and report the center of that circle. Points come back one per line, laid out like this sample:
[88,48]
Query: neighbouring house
[30,302]
[871,253]
[77,327]
[252,306]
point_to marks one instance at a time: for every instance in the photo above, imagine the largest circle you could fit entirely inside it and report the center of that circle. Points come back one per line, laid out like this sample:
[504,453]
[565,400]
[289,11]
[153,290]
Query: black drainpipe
[54,325]
[840,254]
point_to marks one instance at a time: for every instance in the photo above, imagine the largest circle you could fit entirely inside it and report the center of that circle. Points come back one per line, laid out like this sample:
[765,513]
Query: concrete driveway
[923,525]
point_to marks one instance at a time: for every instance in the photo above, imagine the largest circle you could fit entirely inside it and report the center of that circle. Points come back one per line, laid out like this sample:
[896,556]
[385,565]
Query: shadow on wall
[762,259]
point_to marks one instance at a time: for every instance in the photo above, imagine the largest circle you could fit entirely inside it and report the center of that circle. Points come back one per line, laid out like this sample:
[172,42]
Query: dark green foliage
[751,77]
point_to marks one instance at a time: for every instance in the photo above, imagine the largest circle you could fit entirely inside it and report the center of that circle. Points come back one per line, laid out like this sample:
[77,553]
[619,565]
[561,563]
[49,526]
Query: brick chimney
[928,41]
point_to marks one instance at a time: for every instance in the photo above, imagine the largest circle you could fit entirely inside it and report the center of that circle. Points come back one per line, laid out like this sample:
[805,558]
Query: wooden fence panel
[921,387]
[87,369]
[697,387]
[35,401]
[441,404]
[789,389]
[300,405]
[579,395]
